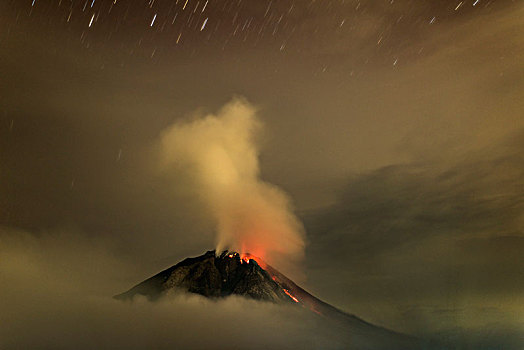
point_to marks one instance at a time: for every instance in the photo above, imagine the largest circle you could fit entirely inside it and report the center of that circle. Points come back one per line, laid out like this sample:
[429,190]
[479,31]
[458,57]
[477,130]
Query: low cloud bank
[56,293]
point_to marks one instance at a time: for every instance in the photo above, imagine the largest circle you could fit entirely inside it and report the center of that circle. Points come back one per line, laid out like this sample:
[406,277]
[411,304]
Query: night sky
[395,128]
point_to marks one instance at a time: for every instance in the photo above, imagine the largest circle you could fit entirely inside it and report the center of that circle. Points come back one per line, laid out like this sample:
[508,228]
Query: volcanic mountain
[213,277]
[218,276]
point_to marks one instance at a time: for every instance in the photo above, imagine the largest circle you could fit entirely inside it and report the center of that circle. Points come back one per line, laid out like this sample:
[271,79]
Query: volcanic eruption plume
[220,153]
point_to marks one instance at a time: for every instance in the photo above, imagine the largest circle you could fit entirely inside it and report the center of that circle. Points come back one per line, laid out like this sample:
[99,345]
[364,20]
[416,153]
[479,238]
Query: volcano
[230,273]
[213,277]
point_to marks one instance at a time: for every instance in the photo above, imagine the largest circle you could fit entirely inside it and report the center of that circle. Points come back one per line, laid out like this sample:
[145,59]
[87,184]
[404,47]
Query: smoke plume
[220,154]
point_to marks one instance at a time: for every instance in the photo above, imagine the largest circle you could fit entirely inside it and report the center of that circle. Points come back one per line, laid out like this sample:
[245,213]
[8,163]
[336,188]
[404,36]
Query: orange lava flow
[244,258]
[290,295]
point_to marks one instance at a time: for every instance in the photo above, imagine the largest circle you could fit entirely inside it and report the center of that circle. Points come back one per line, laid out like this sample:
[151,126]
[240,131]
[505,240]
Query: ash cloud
[220,154]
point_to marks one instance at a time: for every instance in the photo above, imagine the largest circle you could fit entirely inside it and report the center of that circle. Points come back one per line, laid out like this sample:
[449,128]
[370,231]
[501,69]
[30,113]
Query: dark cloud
[419,233]
[402,203]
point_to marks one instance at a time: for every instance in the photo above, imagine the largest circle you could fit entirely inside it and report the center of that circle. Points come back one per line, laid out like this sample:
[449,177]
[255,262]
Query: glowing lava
[246,257]
[290,295]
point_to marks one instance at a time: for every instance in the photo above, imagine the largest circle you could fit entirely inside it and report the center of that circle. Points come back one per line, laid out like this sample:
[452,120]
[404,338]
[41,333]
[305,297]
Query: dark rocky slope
[213,276]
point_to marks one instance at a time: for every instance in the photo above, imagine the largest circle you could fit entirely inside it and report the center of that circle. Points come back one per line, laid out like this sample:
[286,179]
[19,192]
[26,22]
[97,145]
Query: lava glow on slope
[290,295]
[243,257]
[246,257]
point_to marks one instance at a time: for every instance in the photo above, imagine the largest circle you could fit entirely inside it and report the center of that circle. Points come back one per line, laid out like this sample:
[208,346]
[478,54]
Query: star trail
[304,27]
